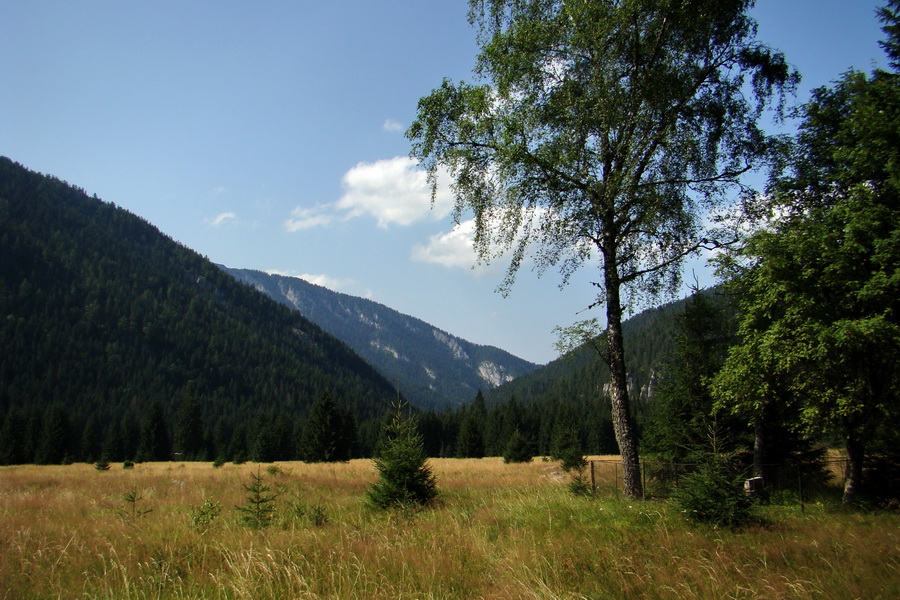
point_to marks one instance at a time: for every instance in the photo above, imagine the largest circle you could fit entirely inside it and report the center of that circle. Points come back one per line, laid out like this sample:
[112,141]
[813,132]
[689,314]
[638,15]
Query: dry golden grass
[498,531]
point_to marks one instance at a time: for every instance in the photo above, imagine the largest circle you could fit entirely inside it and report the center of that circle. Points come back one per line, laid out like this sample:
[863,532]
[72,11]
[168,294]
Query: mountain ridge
[434,368]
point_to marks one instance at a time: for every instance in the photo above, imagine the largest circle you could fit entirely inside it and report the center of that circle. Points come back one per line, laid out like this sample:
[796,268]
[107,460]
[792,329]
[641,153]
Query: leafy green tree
[821,284]
[604,133]
[404,477]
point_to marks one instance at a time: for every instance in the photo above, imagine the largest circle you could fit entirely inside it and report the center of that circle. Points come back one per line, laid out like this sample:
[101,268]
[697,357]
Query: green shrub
[203,515]
[714,494]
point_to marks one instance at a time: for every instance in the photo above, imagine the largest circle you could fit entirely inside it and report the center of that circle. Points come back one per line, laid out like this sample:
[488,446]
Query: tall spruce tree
[470,440]
[188,442]
[154,442]
[54,444]
[682,417]
[326,435]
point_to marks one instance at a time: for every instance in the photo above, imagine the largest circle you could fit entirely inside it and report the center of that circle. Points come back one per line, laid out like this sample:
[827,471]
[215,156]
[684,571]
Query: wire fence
[660,478]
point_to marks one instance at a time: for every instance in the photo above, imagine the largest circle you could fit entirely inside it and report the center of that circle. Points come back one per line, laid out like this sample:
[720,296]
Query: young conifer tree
[405,479]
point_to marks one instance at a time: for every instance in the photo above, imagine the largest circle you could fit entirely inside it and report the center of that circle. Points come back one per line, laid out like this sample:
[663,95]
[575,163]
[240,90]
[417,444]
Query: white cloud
[305,218]
[393,190]
[221,218]
[455,248]
[393,126]
[326,281]
[219,190]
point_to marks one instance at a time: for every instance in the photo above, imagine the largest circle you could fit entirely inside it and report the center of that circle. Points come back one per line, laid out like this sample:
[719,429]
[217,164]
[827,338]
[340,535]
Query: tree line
[49,435]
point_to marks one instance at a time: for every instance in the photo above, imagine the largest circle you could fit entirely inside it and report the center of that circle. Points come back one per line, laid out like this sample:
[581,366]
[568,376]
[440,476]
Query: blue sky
[269,135]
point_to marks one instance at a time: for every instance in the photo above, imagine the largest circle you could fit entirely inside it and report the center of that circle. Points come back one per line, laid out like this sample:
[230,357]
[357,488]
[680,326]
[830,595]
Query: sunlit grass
[497,531]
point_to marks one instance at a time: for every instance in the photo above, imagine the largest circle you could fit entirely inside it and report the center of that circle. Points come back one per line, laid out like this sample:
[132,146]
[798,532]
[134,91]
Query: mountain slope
[434,368]
[649,341]
[102,314]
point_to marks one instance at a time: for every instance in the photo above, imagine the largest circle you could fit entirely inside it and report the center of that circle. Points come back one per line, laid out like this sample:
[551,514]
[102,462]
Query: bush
[714,494]
[203,515]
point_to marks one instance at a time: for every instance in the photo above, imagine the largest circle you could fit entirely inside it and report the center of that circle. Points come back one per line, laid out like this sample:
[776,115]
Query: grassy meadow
[498,531]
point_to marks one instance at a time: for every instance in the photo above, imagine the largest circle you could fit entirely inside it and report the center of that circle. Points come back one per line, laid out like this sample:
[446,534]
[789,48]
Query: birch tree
[600,133]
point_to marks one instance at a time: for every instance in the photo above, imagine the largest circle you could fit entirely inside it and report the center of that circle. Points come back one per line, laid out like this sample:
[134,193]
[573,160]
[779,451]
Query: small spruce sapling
[259,507]
[132,497]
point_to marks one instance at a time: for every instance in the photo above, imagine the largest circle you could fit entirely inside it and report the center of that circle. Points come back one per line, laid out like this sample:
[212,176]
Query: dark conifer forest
[114,337]
[121,344]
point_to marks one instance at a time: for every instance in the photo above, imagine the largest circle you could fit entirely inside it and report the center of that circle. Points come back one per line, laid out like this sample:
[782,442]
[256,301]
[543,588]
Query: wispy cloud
[455,248]
[393,126]
[305,218]
[222,218]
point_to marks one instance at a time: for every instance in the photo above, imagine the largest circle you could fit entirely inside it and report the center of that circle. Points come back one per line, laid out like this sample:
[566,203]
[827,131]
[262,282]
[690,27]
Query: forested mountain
[581,374]
[565,404]
[110,331]
[434,368]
